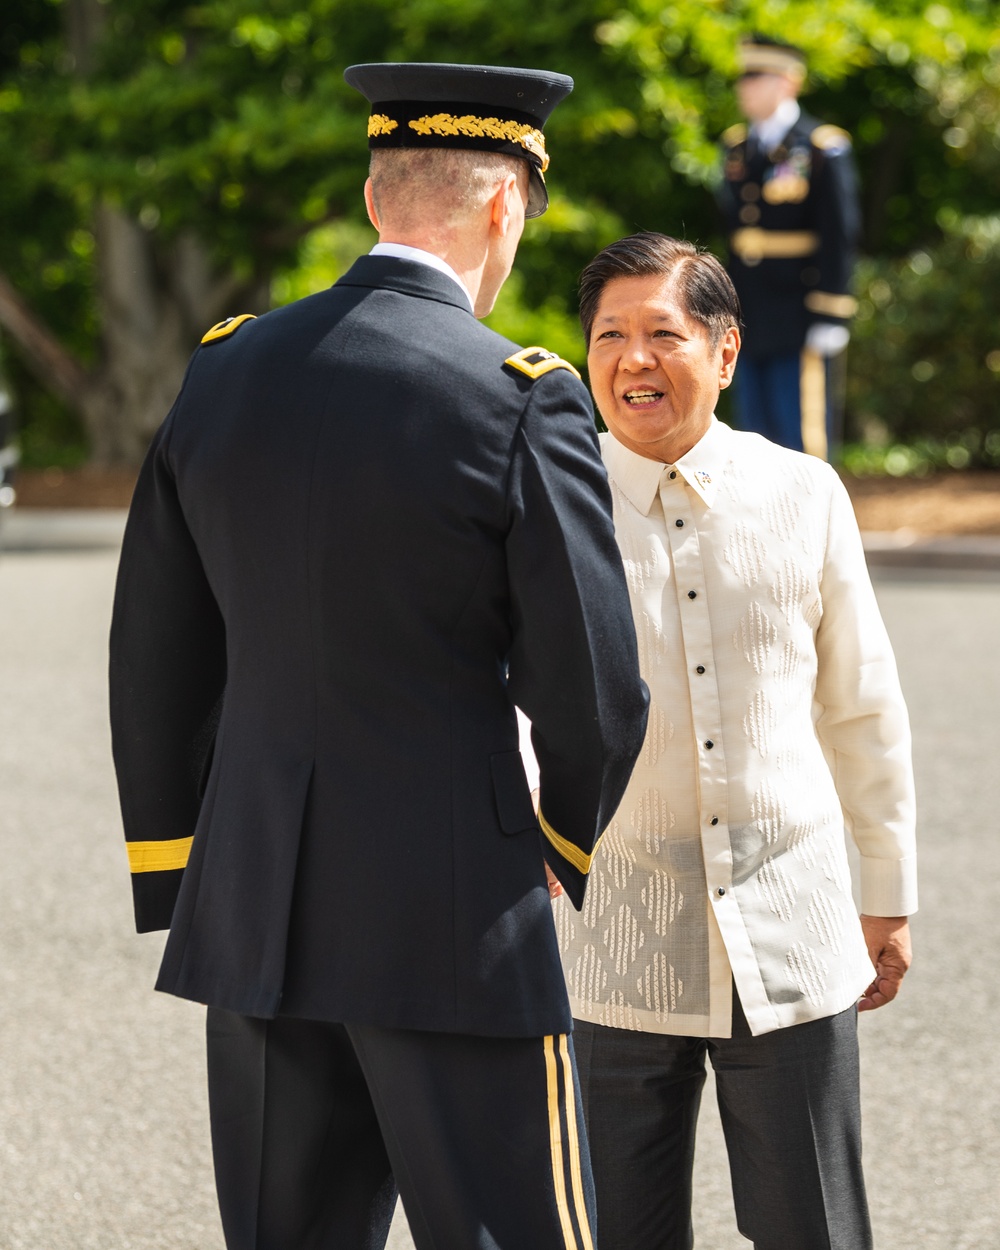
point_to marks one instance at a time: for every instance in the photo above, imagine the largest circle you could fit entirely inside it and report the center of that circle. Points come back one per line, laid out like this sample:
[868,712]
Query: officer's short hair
[706,290]
[449,182]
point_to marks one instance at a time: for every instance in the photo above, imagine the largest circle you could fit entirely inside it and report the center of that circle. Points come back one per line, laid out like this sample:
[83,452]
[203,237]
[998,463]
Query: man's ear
[501,205]
[370,204]
[728,356]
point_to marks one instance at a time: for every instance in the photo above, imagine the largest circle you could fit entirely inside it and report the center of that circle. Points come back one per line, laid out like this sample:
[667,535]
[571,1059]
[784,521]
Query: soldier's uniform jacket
[361,510]
[792,217]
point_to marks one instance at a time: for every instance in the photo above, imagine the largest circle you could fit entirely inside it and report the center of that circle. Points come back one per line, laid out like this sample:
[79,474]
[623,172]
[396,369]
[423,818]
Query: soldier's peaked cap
[760,54]
[487,108]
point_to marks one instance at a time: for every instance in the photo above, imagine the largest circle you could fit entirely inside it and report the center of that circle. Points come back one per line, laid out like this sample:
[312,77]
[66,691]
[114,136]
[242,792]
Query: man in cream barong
[719,917]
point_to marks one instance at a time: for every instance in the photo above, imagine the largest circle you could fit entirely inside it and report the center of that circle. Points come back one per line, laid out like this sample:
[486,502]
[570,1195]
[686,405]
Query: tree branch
[57,369]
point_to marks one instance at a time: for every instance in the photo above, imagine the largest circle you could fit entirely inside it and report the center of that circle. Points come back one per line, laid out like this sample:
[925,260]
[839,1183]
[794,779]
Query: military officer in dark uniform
[790,203]
[367,529]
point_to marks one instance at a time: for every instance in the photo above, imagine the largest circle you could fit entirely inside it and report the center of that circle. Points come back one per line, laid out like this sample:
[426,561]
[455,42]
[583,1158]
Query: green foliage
[325,254]
[923,456]
[925,356]
[230,120]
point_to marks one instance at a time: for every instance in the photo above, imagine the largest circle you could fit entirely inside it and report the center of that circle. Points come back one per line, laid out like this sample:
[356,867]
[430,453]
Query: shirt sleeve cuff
[889,886]
[528,757]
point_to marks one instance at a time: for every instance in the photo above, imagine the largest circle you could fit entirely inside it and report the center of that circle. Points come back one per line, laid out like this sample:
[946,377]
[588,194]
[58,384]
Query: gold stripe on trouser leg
[812,403]
[574,1144]
[556,1143]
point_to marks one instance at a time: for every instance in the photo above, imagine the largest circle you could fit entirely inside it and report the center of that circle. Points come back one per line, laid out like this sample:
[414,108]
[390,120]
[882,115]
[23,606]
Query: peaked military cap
[759,54]
[486,108]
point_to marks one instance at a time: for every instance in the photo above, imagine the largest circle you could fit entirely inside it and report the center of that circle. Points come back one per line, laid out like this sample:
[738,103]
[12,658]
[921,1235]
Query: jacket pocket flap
[510,788]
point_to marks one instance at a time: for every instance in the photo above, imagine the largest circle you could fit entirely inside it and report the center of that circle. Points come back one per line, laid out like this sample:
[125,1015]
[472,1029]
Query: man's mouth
[637,399]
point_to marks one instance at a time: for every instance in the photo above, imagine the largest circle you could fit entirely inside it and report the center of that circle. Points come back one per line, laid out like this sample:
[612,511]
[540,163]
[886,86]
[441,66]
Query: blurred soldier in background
[790,203]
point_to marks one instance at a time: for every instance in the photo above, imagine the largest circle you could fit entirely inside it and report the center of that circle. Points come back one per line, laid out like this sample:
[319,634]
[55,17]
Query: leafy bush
[923,388]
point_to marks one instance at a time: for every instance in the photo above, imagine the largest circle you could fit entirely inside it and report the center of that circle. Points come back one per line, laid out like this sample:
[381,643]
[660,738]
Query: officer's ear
[504,201]
[370,204]
[730,350]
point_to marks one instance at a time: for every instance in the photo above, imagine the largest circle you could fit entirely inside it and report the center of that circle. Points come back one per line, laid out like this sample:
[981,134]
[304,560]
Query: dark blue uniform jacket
[793,222]
[355,521]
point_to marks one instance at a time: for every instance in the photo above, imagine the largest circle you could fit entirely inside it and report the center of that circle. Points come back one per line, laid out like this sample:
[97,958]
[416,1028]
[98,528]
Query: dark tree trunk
[155,300]
[153,310]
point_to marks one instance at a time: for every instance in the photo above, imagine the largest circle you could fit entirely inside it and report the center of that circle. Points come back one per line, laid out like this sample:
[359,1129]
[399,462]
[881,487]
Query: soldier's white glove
[826,339]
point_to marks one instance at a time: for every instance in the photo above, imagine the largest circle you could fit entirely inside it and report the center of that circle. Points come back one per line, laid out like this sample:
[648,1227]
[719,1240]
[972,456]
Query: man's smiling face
[654,370]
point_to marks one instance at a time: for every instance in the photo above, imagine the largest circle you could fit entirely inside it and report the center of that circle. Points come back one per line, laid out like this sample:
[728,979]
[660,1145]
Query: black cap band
[416,124]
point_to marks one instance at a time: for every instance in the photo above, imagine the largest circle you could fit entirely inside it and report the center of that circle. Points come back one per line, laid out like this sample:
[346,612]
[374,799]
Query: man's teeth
[642,397]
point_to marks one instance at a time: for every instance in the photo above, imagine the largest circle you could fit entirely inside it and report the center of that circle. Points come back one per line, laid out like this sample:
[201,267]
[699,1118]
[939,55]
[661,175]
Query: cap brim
[538,195]
[765,59]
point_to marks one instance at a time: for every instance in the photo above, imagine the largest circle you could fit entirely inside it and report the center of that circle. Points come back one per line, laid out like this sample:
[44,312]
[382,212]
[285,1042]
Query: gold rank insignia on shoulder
[227,327]
[830,139]
[734,135]
[534,361]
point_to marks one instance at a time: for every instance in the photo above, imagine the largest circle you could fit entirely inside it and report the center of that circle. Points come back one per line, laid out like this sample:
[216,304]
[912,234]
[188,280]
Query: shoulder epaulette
[830,139]
[735,134]
[227,327]
[534,361]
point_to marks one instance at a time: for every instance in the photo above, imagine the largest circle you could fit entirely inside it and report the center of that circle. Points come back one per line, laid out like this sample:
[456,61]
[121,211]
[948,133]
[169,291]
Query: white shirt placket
[679,502]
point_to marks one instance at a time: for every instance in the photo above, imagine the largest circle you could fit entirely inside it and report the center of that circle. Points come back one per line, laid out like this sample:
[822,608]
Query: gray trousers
[790,1110]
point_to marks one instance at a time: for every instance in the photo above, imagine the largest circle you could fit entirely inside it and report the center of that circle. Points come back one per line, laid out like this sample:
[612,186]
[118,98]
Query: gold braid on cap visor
[528,137]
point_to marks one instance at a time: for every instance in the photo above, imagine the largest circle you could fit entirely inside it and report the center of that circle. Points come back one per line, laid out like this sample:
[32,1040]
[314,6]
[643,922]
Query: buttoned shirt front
[776,724]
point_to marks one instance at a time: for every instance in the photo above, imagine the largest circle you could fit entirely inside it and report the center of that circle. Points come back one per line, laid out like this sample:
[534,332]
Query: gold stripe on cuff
[752,244]
[568,850]
[158,856]
[831,305]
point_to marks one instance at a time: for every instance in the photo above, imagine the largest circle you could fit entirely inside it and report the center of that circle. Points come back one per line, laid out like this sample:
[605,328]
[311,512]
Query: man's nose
[636,356]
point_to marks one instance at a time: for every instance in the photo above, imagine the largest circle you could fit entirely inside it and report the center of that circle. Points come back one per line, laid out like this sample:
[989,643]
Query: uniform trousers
[791,398]
[790,1109]
[315,1126]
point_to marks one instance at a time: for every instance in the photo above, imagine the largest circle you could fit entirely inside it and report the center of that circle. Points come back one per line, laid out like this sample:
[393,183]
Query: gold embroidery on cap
[379,124]
[528,137]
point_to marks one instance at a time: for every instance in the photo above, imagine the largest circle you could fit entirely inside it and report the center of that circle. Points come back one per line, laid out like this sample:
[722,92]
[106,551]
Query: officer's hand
[555,889]
[890,950]
[827,339]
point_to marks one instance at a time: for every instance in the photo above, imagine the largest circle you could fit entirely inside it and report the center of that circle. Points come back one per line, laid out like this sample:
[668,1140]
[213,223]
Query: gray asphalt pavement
[103,1123]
